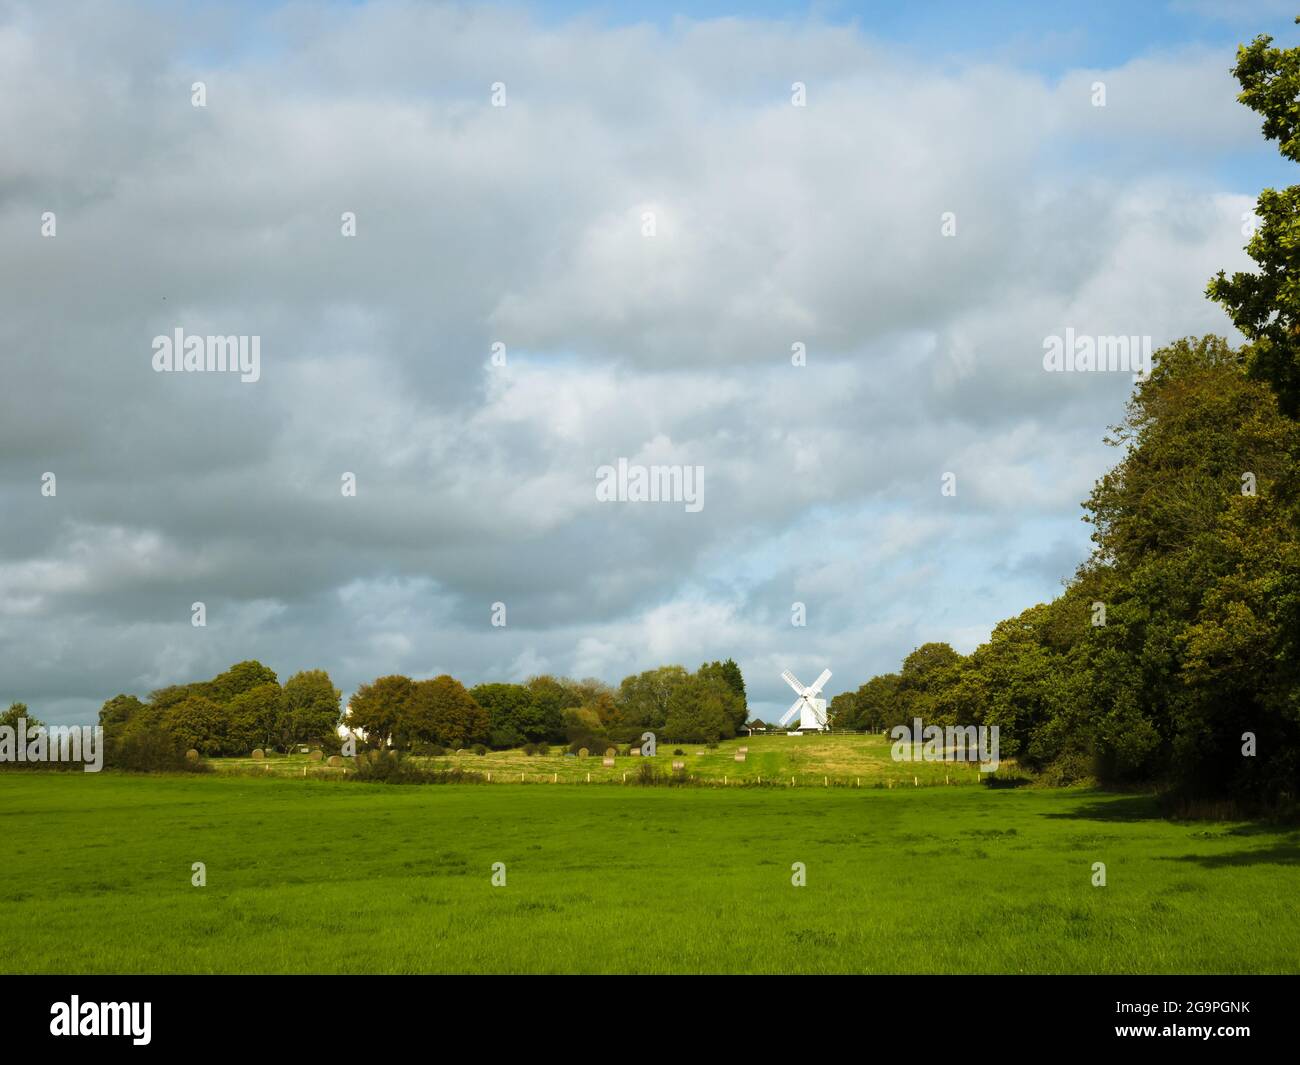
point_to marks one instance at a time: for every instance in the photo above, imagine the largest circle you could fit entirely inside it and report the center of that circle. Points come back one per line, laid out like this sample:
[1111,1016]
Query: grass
[321,876]
[809,761]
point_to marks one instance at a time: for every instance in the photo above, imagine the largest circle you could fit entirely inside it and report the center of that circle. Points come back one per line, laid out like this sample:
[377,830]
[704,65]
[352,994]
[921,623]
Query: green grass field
[327,876]
[847,760]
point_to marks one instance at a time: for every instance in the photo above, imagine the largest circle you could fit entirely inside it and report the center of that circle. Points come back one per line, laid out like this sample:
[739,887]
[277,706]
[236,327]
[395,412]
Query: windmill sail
[811,709]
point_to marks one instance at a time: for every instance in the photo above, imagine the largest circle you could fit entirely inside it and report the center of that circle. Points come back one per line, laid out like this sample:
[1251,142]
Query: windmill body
[810,707]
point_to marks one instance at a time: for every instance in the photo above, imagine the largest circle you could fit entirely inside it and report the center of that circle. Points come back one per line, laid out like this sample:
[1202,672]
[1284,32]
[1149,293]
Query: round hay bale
[315,756]
[192,755]
[258,754]
[583,752]
[335,760]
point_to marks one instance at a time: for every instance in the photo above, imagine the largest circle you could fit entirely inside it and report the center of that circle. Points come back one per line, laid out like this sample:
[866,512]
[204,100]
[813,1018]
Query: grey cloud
[522,225]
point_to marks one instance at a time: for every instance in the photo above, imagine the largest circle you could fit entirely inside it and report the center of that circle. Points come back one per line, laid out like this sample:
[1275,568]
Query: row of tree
[1174,652]
[233,713]
[246,708]
[704,706]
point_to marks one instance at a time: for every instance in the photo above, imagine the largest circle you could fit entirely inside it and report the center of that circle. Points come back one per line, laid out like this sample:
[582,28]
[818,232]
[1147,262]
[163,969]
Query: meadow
[324,876]
[847,760]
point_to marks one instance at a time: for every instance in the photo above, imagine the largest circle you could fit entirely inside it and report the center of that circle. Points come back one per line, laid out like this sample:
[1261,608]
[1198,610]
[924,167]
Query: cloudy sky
[524,225]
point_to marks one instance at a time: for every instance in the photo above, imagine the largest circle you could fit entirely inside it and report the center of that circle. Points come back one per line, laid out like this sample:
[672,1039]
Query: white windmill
[811,709]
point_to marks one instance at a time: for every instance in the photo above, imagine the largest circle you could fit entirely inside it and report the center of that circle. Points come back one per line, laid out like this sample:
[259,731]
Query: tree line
[700,707]
[235,712]
[246,708]
[1173,654]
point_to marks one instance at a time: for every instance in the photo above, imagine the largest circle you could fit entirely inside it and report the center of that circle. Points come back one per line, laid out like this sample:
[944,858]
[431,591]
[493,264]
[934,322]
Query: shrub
[502,739]
[479,749]
[678,750]
[648,775]
[397,769]
[1069,768]
[146,750]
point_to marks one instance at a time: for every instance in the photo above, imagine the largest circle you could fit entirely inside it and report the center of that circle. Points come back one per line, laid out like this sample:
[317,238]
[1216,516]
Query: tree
[310,709]
[378,708]
[442,711]
[725,679]
[734,678]
[507,707]
[117,711]
[599,702]
[163,699]
[518,715]
[135,736]
[643,698]
[1265,305]
[16,710]
[550,698]
[697,712]
[1176,646]
[925,673]
[842,711]
[238,679]
[196,722]
[254,718]
[876,702]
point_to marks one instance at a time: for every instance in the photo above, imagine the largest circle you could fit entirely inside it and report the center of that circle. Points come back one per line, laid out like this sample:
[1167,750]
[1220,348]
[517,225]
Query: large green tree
[196,722]
[643,698]
[697,712]
[310,709]
[875,702]
[254,719]
[442,711]
[378,708]
[16,710]
[724,679]
[1265,304]
[1173,655]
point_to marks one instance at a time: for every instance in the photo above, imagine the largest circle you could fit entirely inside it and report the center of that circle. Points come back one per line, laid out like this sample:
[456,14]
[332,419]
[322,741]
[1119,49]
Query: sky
[524,227]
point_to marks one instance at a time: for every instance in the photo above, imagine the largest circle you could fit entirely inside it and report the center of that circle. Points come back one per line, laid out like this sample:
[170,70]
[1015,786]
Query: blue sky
[1051,35]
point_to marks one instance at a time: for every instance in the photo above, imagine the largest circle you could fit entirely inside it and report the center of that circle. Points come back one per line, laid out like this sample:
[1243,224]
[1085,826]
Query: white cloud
[522,224]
